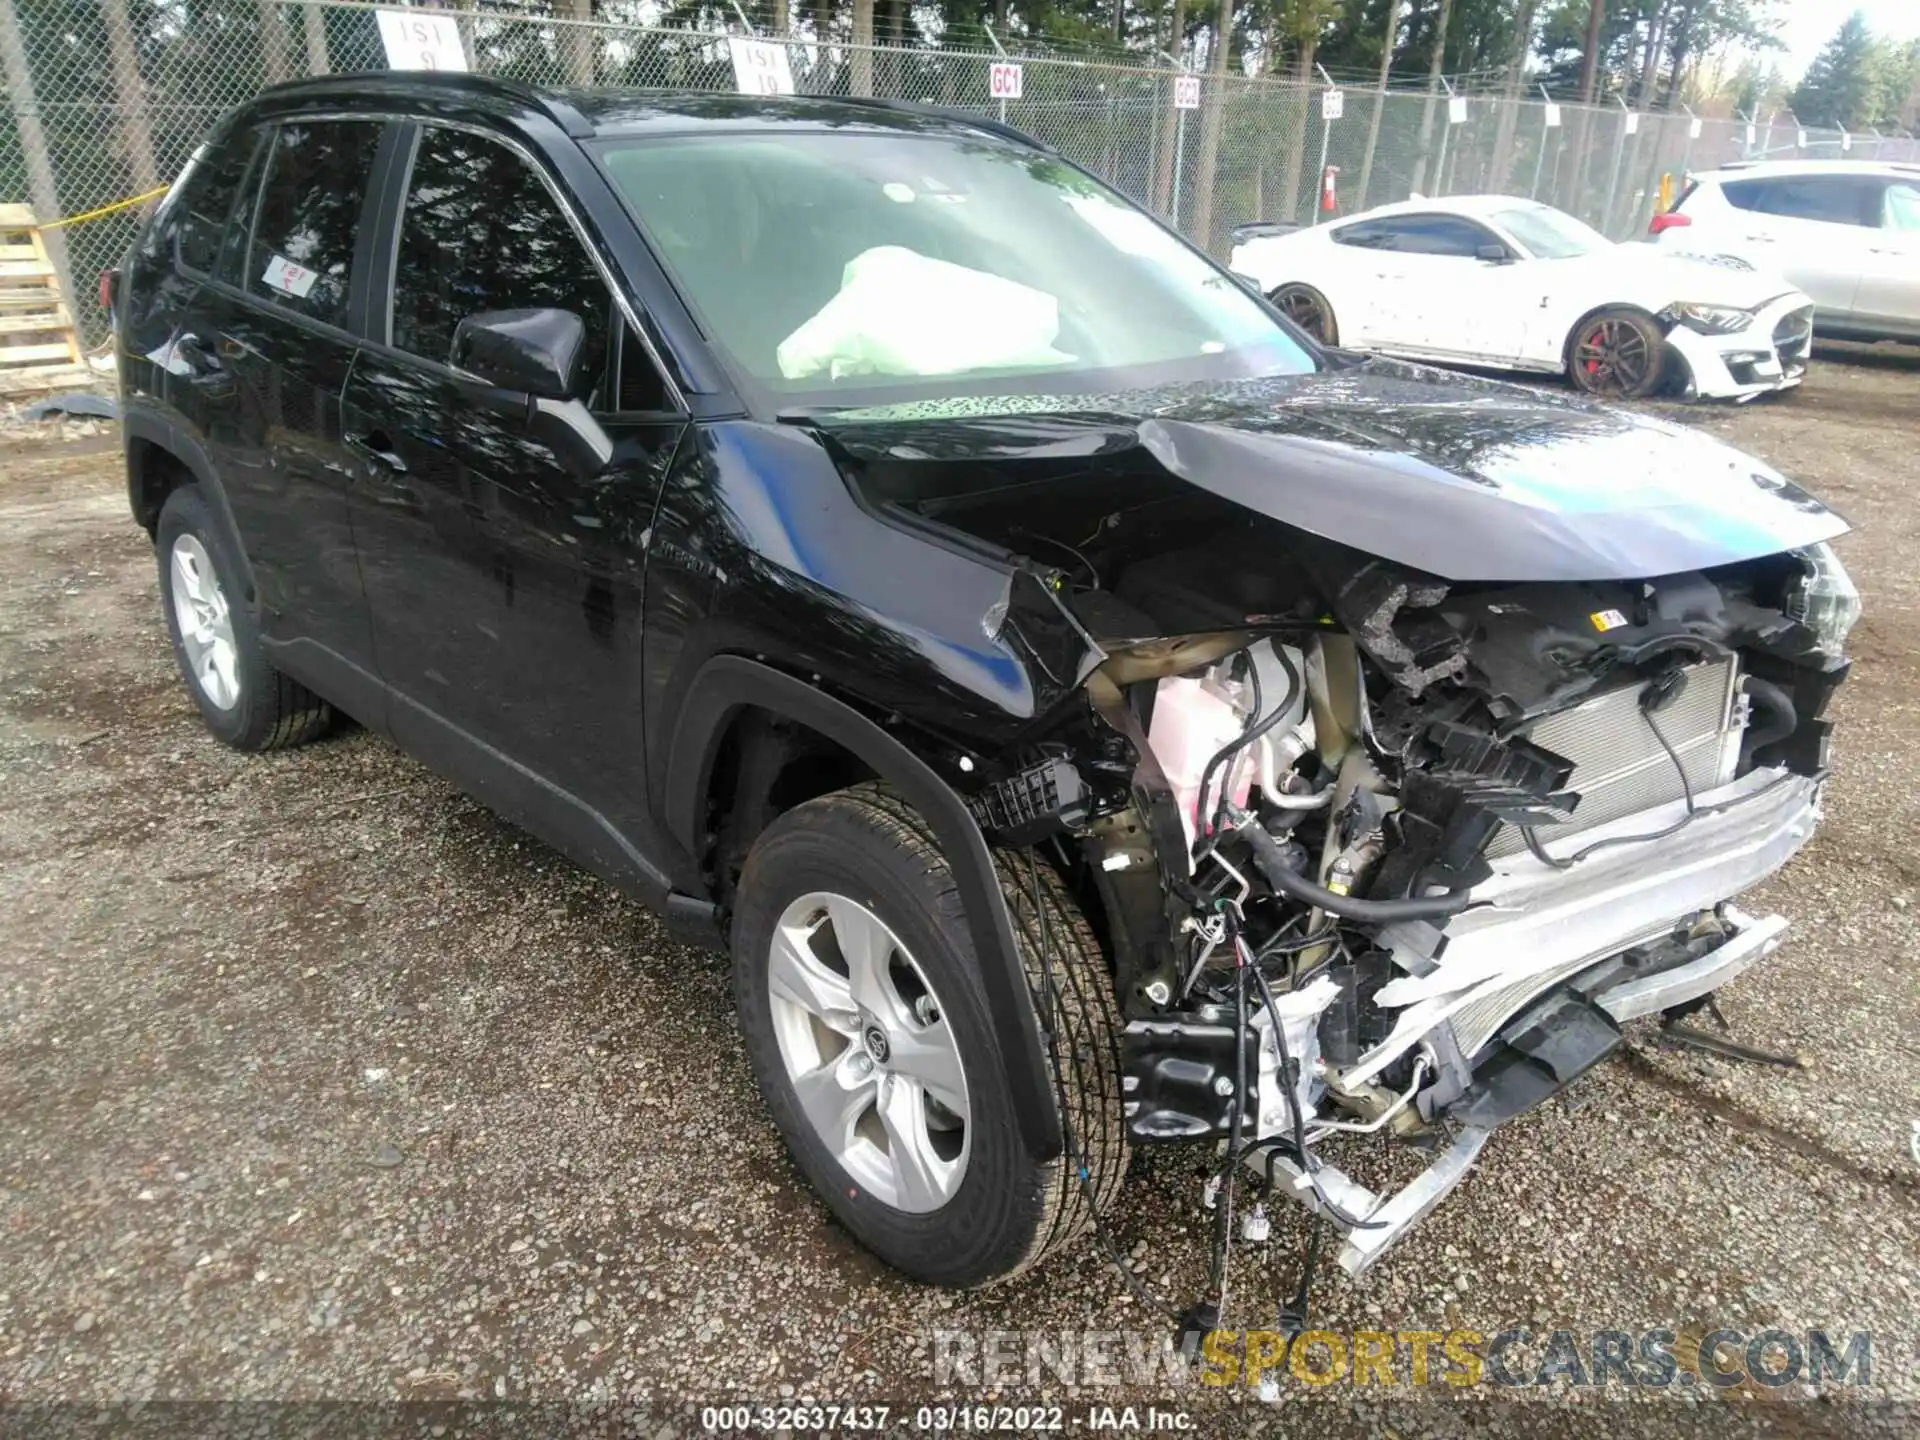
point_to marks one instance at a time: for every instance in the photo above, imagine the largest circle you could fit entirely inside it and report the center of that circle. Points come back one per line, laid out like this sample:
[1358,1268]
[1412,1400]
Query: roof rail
[488,87]
[965,117]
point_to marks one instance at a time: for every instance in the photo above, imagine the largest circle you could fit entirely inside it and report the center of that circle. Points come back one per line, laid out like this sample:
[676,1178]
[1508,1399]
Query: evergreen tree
[1843,85]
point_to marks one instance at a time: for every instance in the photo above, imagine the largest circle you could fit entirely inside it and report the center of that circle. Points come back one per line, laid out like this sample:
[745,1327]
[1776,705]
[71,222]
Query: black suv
[1090,712]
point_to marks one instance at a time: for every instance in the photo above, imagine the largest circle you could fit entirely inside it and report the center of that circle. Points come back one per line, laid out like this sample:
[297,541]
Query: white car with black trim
[1491,280]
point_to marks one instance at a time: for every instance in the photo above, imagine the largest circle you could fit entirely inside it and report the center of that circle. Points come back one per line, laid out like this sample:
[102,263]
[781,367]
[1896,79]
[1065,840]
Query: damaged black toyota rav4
[1091,714]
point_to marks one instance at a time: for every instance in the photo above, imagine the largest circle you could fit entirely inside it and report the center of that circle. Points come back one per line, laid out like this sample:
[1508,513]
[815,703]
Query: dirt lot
[320,1082]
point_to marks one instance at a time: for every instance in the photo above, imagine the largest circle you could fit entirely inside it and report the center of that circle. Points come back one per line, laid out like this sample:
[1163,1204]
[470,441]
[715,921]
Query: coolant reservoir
[1194,719]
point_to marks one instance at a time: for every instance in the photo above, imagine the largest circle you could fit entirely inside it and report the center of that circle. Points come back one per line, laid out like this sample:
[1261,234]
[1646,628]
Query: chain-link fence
[106,99]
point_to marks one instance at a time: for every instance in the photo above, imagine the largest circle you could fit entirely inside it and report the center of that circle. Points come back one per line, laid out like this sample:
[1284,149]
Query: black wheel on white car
[216,642]
[1308,309]
[1617,353]
[866,1021]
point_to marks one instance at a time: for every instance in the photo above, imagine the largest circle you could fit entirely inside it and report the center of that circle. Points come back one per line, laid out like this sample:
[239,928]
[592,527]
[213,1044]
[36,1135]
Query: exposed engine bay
[1382,854]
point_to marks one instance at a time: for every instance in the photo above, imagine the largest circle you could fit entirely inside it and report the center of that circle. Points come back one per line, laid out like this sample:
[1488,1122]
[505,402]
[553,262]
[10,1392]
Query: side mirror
[528,363]
[1494,254]
[536,352]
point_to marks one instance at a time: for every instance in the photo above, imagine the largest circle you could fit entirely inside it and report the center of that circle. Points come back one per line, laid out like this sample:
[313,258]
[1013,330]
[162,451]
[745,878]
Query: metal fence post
[1440,186]
[1326,136]
[1179,164]
[1613,175]
[1540,159]
[998,49]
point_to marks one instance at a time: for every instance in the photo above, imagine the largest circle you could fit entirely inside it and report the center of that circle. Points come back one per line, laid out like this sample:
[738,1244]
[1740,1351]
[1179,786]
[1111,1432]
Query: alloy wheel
[868,1050]
[206,625]
[1304,308]
[1613,357]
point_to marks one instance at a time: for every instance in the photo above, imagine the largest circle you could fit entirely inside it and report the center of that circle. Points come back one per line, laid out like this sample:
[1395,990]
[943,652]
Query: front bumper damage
[1769,355]
[1545,950]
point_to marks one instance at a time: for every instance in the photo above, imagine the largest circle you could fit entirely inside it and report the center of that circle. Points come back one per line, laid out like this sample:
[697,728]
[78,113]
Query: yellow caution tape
[106,209]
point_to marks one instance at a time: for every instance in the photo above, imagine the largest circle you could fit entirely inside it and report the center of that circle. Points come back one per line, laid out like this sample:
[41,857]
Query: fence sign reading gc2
[1003,81]
[1186,92]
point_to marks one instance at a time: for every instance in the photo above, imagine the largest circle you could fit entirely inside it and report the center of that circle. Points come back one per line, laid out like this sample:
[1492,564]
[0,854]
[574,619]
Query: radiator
[1619,767]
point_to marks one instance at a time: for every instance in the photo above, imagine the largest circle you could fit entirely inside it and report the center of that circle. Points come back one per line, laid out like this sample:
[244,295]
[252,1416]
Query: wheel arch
[1592,311]
[1319,287]
[732,698]
[161,458]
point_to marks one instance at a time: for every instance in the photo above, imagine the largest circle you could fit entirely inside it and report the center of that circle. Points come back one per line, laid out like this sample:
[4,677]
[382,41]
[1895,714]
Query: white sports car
[1490,280]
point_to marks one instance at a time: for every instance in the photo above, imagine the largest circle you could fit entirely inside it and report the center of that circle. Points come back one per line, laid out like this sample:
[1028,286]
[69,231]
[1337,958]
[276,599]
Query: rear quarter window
[1831,199]
[209,202]
[1366,234]
[308,220]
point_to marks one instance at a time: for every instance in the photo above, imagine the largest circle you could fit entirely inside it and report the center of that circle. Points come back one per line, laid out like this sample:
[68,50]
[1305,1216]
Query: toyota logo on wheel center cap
[877,1047]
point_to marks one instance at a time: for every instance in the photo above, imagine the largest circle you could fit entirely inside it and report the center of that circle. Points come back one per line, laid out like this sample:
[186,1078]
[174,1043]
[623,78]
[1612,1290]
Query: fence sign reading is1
[760,67]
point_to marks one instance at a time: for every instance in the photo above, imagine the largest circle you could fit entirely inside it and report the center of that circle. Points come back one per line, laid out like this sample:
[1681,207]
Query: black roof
[584,113]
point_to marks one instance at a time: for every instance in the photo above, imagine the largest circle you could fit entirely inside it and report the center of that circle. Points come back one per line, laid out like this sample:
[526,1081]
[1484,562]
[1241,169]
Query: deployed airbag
[902,313]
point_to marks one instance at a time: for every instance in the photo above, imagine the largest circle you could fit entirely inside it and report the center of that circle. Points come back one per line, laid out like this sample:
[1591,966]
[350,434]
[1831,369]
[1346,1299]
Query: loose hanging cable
[1686,789]
[1299,1125]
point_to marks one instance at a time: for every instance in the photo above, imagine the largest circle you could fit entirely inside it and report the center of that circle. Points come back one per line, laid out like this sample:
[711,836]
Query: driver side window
[481,231]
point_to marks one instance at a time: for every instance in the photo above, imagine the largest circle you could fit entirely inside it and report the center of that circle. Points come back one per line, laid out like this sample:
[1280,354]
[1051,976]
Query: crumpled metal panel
[1529,918]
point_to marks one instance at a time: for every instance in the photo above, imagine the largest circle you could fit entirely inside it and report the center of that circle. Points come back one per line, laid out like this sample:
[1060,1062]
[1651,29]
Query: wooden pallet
[39,348]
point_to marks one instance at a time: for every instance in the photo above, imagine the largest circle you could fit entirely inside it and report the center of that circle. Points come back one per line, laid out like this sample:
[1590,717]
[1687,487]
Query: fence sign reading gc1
[1003,82]
[1186,92]
[760,67]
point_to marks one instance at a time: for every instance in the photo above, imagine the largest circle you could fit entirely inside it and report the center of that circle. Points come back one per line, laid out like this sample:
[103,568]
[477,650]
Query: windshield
[1550,234]
[849,267]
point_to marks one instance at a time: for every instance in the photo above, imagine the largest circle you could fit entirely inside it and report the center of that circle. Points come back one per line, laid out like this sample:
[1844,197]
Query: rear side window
[309,214]
[1834,199]
[210,198]
[481,231]
[1367,234]
[1438,235]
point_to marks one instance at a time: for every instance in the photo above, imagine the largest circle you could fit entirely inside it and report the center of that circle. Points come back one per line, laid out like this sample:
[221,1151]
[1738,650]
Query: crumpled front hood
[1680,276]
[1466,479]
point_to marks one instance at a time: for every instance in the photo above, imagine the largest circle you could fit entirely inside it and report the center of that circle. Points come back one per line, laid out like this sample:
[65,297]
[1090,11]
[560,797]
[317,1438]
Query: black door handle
[377,447]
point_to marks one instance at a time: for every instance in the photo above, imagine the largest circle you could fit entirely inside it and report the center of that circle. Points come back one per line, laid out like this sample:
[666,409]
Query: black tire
[1308,309]
[1617,353]
[1008,1213]
[268,711]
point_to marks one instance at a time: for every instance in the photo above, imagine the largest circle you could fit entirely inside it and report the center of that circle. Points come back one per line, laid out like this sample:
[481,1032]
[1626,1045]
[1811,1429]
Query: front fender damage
[1407,745]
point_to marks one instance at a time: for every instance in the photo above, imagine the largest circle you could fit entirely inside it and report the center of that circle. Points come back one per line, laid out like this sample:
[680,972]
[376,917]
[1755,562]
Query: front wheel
[866,1021]
[1617,354]
[1308,309]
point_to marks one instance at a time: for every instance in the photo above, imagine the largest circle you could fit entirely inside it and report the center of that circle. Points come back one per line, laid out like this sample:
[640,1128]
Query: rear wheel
[1308,309]
[216,643]
[1617,354]
[866,1021]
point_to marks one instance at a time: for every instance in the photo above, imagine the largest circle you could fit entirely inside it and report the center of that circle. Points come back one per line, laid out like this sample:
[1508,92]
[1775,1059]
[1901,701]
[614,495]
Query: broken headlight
[1708,319]
[1822,597]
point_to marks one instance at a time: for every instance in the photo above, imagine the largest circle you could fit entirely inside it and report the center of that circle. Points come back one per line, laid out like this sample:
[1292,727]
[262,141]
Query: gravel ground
[322,1083]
